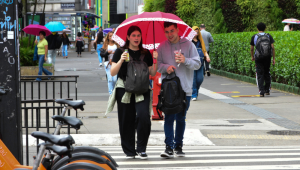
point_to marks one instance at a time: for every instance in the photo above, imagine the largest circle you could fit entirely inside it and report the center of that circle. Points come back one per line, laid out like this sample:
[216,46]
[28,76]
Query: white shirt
[286,28]
[113,49]
[110,56]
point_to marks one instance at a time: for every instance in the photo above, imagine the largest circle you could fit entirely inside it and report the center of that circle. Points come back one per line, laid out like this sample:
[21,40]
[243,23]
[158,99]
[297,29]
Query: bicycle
[74,123]
[45,161]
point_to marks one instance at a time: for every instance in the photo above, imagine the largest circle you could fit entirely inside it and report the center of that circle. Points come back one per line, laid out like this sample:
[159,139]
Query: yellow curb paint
[265,137]
[247,96]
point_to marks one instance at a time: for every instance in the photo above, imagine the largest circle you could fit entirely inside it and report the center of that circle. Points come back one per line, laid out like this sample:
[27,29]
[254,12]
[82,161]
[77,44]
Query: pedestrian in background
[198,74]
[287,27]
[66,43]
[42,46]
[207,38]
[264,44]
[108,51]
[98,41]
[54,43]
[189,61]
[79,44]
[133,109]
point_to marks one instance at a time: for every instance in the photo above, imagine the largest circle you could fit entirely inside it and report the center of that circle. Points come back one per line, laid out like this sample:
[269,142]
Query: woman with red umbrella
[133,115]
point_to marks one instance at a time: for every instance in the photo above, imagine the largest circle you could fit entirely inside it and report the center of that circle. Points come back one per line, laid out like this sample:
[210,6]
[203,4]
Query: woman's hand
[45,58]
[110,52]
[123,57]
[36,42]
[207,57]
[155,54]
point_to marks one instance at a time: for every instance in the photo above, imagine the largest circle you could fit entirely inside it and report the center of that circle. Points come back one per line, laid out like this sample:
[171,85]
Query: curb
[192,137]
[275,85]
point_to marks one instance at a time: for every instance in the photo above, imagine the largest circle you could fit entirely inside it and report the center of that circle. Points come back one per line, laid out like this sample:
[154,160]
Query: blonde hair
[106,41]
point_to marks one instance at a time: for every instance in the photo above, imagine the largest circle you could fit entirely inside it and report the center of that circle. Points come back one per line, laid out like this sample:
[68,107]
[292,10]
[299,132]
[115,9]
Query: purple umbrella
[107,30]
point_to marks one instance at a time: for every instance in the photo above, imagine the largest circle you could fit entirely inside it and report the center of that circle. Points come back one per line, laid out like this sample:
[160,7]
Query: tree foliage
[221,16]
[186,10]
[170,6]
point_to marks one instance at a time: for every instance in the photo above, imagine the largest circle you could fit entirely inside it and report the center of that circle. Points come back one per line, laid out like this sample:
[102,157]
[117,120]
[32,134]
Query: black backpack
[137,78]
[171,99]
[263,46]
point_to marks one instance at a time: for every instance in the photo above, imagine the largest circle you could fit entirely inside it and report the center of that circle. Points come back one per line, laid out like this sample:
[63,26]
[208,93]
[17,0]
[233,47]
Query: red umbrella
[152,26]
[34,29]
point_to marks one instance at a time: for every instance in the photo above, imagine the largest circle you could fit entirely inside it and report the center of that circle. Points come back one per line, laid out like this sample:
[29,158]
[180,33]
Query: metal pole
[10,104]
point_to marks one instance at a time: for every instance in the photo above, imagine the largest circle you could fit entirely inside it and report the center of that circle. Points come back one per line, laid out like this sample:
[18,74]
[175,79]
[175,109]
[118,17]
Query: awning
[69,13]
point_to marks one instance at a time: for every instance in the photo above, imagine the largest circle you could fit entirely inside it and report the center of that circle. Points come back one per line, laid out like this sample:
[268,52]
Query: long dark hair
[129,32]
[100,36]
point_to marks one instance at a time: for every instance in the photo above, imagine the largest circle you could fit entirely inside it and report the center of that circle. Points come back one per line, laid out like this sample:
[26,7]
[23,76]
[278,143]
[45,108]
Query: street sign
[67,5]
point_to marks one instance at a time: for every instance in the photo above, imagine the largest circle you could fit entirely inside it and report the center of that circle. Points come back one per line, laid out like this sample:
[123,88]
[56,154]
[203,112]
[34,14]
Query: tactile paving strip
[272,117]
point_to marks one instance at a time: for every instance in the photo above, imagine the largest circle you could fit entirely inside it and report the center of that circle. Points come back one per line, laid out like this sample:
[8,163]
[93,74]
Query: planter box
[33,70]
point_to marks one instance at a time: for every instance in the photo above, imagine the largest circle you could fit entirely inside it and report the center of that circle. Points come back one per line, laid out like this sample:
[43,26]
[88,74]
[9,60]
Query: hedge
[231,53]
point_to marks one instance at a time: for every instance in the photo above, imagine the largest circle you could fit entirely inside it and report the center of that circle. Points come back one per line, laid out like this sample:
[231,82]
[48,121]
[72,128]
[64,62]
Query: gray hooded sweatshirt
[185,72]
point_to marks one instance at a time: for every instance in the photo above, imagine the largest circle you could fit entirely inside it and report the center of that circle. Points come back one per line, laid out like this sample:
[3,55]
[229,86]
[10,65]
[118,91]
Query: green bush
[26,53]
[231,53]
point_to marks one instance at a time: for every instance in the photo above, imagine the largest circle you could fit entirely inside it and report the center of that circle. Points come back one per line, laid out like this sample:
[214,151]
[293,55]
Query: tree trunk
[35,2]
[44,7]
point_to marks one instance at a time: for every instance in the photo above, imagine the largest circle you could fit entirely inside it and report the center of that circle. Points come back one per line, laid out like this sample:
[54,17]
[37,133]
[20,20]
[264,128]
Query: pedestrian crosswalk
[213,157]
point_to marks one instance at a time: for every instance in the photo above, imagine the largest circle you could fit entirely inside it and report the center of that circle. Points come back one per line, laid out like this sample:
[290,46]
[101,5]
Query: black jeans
[263,75]
[79,49]
[206,64]
[133,116]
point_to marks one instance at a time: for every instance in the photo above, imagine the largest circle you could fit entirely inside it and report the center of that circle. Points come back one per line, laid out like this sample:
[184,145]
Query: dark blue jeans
[41,68]
[198,79]
[180,126]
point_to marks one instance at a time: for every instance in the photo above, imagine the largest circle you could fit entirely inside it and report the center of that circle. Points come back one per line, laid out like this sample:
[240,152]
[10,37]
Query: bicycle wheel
[97,151]
[81,166]
[85,157]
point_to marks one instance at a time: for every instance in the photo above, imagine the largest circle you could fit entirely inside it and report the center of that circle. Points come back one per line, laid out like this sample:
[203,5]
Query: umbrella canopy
[152,27]
[107,30]
[35,29]
[67,31]
[291,21]
[55,26]
[114,25]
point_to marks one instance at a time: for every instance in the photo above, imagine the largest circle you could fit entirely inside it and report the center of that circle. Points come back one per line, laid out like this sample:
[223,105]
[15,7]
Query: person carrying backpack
[264,44]
[178,58]
[199,74]
[132,92]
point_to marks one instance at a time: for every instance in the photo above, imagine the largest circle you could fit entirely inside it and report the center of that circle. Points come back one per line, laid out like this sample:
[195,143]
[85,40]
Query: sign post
[10,103]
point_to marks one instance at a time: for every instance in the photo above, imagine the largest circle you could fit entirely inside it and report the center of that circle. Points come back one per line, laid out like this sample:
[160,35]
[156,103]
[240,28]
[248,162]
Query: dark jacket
[54,41]
[65,41]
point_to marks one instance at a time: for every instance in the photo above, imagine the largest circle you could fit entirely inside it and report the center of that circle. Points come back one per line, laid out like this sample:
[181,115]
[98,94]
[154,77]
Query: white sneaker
[130,157]
[194,99]
[100,65]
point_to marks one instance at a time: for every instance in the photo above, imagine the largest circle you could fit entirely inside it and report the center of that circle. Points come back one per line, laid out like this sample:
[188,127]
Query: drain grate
[244,121]
[284,132]
[225,125]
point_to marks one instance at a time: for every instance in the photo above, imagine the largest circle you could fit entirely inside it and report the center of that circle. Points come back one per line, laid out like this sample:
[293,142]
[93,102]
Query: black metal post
[10,104]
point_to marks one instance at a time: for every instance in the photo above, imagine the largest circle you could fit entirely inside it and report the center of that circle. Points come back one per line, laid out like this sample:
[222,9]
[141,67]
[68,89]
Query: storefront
[71,20]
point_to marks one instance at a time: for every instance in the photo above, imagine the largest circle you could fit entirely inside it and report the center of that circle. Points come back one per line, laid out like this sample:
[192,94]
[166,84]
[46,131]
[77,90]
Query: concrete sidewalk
[211,115]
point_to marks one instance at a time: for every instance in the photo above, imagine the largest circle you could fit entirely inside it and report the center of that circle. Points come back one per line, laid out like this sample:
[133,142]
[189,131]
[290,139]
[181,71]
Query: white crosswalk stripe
[213,157]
